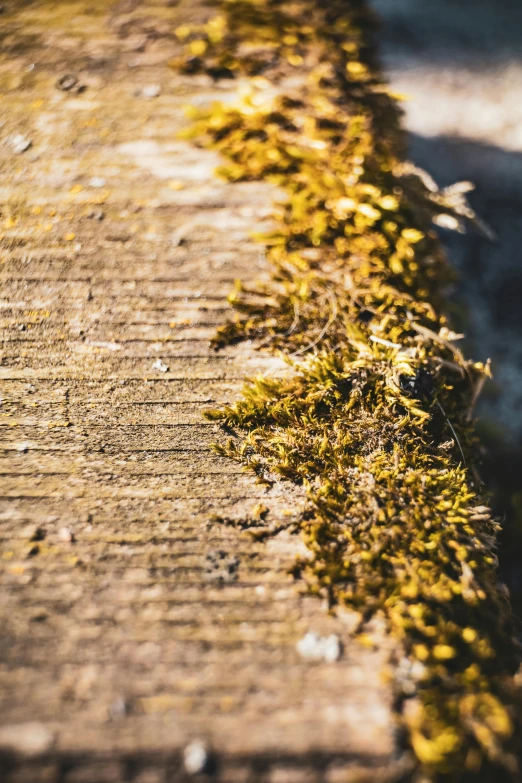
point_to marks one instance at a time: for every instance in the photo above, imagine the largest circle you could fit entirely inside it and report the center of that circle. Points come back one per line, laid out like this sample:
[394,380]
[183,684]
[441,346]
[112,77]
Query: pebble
[20,143]
[70,83]
[313,647]
[66,534]
[66,82]
[161,366]
[195,757]
[97,182]
[151,91]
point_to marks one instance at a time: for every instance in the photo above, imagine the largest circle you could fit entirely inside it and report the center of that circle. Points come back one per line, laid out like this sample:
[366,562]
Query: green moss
[374,414]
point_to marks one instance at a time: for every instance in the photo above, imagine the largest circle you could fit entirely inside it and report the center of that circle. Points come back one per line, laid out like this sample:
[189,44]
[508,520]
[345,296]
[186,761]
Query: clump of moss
[374,414]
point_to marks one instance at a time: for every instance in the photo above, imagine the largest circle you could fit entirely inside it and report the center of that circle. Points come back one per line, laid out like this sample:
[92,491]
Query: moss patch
[374,414]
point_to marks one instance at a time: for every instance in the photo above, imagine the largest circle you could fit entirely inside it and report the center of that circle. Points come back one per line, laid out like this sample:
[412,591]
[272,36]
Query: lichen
[374,416]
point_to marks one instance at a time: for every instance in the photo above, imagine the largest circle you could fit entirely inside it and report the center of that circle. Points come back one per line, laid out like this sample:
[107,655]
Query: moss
[374,414]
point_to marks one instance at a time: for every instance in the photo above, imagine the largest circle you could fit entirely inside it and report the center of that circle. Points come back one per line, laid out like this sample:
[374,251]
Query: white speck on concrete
[160,365]
[151,91]
[66,534]
[108,345]
[313,647]
[195,757]
[19,143]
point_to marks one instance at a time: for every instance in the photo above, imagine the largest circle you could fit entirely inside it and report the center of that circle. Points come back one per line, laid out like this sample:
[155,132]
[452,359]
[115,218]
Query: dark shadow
[446,31]
[487,306]
[93,767]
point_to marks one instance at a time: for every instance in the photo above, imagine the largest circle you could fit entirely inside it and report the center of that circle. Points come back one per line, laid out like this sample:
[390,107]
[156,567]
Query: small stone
[96,214]
[22,448]
[19,143]
[97,182]
[196,757]
[160,365]
[26,739]
[313,647]
[66,534]
[66,82]
[151,91]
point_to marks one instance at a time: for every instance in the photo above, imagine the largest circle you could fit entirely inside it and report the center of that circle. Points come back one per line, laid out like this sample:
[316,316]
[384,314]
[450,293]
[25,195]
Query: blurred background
[458,64]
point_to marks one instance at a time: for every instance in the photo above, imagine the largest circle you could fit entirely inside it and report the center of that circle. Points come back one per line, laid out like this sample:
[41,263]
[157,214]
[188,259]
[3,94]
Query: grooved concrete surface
[130,624]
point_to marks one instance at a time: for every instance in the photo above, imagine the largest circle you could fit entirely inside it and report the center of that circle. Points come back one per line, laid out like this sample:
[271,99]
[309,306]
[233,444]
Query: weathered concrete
[130,624]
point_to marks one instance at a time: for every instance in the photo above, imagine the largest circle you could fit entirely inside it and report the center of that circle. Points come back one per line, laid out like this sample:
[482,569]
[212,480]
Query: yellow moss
[373,416]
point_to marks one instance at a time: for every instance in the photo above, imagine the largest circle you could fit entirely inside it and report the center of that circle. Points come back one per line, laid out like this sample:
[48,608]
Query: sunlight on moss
[374,414]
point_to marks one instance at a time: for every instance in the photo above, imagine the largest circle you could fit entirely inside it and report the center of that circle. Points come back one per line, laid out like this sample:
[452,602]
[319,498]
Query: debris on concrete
[70,83]
[20,143]
[65,534]
[160,365]
[221,567]
[66,82]
[313,647]
[150,91]
[196,757]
